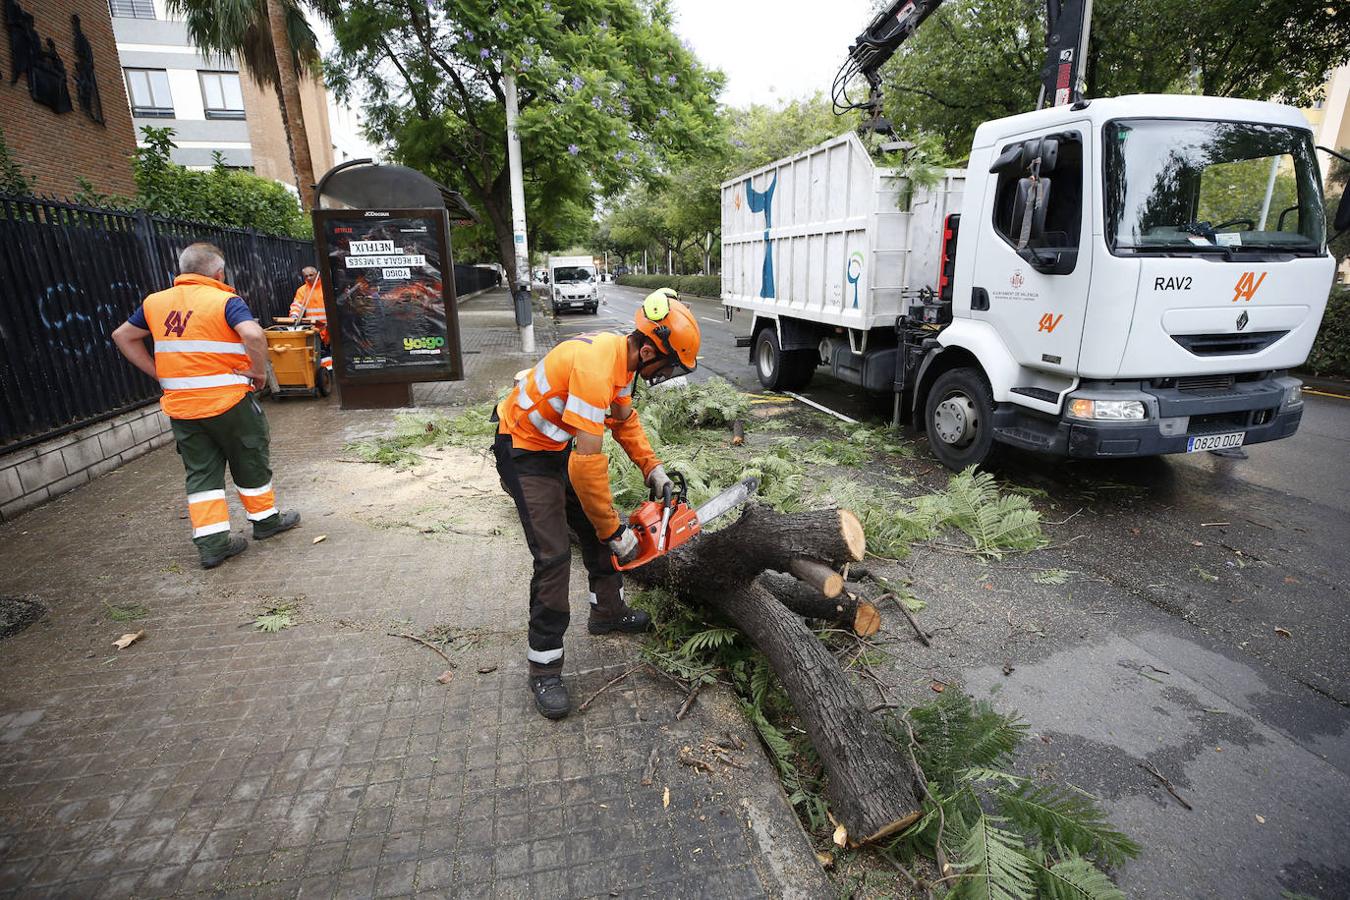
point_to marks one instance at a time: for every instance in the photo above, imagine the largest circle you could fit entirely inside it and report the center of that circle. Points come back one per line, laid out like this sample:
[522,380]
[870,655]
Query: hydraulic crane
[1066,39]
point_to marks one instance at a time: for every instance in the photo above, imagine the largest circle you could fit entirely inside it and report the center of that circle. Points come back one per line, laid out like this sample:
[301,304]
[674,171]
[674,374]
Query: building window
[149,92]
[220,91]
[132,9]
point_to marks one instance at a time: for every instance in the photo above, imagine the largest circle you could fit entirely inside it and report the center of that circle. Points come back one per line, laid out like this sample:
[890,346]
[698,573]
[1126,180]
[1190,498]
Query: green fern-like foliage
[708,640]
[1064,818]
[1075,878]
[957,733]
[994,522]
[993,865]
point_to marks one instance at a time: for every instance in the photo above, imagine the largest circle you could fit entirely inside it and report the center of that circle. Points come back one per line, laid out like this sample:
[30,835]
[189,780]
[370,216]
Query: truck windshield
[573,275]
[1179,186]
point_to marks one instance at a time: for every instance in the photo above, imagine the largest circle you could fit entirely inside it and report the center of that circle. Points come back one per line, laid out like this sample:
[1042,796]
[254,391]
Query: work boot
[285,522]
[550,695]
[236,546]
[630,621]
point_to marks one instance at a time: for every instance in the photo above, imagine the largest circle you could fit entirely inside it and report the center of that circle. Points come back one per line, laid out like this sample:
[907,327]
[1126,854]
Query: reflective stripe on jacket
[308,302]
[569,390]
[198,356]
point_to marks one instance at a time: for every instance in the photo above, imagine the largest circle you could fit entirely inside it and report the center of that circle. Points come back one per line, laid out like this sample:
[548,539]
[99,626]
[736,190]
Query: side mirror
[1342,220]
[1014,159]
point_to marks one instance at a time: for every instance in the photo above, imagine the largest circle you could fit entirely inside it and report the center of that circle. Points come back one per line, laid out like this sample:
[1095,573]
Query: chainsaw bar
[728,500]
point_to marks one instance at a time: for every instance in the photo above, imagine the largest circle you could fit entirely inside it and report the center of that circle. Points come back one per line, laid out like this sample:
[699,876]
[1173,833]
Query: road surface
[1227,575]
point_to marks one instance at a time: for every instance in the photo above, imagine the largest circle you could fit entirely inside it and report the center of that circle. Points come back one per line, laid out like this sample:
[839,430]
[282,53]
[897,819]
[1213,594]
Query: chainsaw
[662,525]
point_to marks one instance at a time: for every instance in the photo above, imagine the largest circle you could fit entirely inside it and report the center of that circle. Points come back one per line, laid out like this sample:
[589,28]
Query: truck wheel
[323,382]
[959,418]
[782,370]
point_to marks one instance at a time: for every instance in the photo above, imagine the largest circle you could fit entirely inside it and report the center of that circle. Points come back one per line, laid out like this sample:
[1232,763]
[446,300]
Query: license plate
[578,303]
[1215,441]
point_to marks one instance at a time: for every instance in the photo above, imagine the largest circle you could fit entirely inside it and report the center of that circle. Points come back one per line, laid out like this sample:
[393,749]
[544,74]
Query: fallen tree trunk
[848,609]
[870,787]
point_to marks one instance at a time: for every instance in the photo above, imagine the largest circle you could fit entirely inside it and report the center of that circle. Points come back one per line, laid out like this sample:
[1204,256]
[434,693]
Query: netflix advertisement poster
[391,294]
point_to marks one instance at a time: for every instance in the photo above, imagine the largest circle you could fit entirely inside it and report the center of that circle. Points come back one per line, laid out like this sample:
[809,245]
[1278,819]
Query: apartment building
[209,102]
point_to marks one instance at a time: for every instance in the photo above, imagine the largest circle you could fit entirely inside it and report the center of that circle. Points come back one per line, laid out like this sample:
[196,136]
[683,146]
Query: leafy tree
[607,93]
[276,45]
[976,60]
[759,134]
[221,196]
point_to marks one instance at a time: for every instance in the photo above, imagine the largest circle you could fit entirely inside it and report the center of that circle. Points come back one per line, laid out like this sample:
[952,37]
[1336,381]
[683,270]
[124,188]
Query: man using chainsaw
[549,450]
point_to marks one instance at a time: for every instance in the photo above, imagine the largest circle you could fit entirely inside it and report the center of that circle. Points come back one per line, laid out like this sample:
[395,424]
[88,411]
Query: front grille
[1205,383]
[1228,344]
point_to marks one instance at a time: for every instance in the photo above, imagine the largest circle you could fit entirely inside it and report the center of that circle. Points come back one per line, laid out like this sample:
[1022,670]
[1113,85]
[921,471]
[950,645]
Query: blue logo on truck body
[762,201]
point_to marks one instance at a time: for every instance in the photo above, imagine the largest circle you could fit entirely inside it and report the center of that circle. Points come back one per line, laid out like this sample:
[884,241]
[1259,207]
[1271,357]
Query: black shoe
[550,695]
[236,546]
[285,522]
[633,621]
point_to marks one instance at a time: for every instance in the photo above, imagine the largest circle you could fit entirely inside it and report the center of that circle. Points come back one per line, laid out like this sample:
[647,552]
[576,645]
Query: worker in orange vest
[550,457]
[309,304]
[210,355]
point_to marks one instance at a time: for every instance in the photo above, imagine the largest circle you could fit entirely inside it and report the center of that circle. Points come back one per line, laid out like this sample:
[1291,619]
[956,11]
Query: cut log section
[870,786]
[824,579]
[848,609]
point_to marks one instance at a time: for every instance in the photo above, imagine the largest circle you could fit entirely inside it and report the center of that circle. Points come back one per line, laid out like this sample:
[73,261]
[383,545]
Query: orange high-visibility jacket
[198,356]
[308,302]
[579,386]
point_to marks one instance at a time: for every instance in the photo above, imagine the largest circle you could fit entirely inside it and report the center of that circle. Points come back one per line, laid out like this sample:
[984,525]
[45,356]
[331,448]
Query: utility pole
[524,308]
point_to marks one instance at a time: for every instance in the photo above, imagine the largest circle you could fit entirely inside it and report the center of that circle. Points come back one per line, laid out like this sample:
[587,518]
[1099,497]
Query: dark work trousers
[537,482]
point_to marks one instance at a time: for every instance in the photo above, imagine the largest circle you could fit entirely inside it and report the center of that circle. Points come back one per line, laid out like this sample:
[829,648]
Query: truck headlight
[1106,409]
[1293,396]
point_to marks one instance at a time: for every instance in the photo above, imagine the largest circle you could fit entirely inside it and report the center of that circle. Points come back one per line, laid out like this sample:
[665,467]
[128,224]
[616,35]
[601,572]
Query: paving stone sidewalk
[326,760]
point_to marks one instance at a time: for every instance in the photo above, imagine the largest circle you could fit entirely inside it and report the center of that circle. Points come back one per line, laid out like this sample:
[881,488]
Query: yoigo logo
[423,344]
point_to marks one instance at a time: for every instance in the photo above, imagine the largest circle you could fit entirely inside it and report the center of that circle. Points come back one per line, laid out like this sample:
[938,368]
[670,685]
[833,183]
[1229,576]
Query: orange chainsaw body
[646,524]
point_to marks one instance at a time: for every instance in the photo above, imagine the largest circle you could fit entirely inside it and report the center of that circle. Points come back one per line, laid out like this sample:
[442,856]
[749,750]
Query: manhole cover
[16,615]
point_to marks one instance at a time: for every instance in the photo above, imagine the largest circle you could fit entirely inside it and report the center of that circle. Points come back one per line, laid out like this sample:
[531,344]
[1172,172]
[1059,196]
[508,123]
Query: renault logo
[1242,320]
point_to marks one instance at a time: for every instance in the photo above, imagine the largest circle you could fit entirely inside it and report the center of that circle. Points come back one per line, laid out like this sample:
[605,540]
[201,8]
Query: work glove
[624,545]
[658,481]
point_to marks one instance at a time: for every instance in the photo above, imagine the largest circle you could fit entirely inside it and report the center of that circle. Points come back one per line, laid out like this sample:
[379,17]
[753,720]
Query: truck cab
[1131,276]
[574,284]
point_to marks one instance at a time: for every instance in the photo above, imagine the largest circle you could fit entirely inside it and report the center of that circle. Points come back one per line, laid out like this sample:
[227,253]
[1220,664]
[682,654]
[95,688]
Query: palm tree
[275,43]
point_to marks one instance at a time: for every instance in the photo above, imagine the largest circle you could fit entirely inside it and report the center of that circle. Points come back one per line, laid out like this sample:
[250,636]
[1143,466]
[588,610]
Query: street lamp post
[524,310]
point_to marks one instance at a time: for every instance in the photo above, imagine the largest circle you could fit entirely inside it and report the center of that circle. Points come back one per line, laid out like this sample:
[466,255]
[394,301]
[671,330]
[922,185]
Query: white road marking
[714,321]
[825,409]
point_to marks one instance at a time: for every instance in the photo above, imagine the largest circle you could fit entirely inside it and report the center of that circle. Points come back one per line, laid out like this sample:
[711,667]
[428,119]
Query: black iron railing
[469,279]
[70,274]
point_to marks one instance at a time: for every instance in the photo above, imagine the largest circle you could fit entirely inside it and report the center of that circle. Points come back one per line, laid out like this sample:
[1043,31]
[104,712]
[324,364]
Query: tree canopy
[975,60]
[607,95]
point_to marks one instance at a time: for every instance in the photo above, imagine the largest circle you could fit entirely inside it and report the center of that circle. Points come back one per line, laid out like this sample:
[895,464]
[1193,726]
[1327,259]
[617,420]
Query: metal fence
[70,274]
[469,279]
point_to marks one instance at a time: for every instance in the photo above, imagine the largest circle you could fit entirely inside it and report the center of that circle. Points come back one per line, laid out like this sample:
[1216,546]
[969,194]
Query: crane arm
[1066,37]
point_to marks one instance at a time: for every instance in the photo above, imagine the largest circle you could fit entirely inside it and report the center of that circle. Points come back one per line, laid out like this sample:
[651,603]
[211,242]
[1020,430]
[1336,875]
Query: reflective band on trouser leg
[259,503]
[208,513]
[326,362]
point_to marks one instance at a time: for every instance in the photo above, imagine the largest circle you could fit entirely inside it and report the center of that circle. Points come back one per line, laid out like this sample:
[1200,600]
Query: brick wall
[59,149]
[35,475]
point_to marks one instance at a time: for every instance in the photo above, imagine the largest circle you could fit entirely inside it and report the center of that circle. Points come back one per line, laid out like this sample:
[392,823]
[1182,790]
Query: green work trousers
[239,436]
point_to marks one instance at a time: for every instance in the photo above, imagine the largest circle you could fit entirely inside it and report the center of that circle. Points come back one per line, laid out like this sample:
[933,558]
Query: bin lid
[365,184]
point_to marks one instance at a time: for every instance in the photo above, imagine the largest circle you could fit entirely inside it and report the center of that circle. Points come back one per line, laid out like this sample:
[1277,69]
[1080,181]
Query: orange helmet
[672,327]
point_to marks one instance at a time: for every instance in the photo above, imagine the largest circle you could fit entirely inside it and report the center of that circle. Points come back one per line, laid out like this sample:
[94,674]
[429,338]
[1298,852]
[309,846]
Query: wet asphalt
[1202,632]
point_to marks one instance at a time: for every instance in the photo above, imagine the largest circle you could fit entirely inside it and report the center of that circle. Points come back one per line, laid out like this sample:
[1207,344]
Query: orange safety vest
[198,356]
[571,389]
[304,307]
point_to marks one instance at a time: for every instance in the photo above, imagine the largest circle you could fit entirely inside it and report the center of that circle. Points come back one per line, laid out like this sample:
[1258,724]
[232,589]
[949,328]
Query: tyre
[594,309]
[323,382]
[781,370]
[959,418]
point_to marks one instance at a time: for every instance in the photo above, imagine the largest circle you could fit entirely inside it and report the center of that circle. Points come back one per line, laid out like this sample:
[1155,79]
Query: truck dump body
[823,236]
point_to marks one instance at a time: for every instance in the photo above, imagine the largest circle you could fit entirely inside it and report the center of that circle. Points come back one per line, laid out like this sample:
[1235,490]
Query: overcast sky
[772,50]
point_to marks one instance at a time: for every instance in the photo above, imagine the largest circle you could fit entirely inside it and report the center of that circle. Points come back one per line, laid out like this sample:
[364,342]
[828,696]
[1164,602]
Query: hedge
[1331,351]
[697,285]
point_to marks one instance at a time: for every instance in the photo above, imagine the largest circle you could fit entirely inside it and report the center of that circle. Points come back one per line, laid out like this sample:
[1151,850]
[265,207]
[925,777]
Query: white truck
[1108,278]
[573,284]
